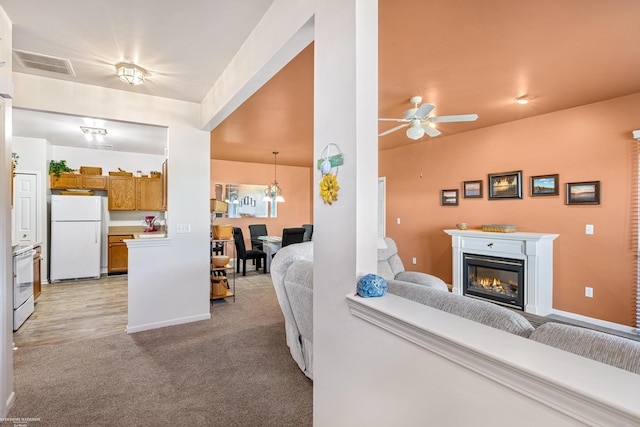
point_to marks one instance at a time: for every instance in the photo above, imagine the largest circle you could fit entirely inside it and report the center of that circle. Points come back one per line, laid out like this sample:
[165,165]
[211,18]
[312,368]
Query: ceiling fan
[420,122]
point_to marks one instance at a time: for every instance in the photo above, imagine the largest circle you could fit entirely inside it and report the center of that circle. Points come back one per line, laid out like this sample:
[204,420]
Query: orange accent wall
[294,181]
[589,143]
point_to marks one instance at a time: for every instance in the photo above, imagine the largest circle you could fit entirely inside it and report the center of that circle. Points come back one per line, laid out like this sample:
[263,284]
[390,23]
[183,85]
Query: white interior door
[25,206]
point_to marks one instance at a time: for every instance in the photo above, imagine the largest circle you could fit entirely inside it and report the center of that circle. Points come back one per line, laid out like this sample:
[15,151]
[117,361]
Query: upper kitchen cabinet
[78,181]
[149,194]
[122,193]
[128,193]
[165,186]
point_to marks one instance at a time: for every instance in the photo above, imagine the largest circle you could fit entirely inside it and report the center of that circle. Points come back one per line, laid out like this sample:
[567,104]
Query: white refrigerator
[76,230]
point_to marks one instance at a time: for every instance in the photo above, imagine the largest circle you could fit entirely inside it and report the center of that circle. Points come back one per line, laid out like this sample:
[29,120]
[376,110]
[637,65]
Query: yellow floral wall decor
[329,184]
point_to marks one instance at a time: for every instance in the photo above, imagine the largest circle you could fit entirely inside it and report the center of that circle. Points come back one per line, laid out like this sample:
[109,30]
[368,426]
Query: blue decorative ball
[372,285]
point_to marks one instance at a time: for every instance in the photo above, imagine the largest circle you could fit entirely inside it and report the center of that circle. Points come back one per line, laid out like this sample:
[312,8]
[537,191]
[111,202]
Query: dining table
[271,245]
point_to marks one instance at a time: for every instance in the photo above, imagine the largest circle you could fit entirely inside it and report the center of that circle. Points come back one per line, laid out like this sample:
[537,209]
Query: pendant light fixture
[130,73]
[273,193]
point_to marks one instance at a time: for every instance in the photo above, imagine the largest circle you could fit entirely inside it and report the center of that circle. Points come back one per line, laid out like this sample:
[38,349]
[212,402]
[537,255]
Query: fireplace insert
[496,279]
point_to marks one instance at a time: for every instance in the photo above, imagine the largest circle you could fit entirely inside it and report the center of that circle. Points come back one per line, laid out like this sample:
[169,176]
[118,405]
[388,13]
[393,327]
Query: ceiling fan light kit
[420,121]
[415,131]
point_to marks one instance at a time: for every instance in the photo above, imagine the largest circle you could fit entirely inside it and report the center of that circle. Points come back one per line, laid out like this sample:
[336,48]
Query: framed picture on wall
[449,197]
[472,189]
[505,185]
[544,185]
[583,193]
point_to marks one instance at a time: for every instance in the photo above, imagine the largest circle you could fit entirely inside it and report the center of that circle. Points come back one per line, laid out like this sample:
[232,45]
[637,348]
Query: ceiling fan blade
[459,118]
[431,131]
[424,111]
[393,120]
[393,129]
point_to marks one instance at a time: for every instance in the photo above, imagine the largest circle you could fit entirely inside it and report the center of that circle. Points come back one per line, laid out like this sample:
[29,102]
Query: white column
[345,237]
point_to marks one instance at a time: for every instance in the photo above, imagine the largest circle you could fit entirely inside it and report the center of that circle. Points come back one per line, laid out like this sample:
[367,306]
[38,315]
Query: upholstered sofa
[292,276]
[391,268]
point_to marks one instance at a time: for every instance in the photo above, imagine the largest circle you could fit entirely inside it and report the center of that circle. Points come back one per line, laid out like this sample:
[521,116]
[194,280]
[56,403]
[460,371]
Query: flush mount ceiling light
[522,100]
[131,73]
[92,133]
[273,193]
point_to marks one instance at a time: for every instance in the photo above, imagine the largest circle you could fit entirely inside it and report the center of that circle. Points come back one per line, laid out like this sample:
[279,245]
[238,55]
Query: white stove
[23,301]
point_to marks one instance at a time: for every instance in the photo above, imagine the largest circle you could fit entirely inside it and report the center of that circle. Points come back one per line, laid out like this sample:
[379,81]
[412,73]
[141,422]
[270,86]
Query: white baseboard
[597,322]
[170,322]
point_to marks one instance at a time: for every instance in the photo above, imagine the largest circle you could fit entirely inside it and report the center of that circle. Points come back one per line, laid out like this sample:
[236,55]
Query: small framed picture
[506,185]
[449,197]
[472,189]
[583,193]
[544,185]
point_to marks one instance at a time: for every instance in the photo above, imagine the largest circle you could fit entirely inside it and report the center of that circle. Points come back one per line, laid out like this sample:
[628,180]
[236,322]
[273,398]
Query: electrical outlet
[183,228]
[398,220]
[413,260]
[588,229]
[588,292]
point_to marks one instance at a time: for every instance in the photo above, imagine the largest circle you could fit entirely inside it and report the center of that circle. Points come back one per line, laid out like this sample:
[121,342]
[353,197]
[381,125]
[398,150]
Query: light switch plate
[588,229]
[183,228]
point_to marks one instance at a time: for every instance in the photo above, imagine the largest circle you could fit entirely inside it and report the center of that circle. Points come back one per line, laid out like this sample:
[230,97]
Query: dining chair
[308,232]
[292,235]
[257,230]
[243,254]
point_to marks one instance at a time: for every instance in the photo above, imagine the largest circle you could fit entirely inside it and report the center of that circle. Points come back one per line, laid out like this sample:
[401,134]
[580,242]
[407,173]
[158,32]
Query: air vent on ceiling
[36,61]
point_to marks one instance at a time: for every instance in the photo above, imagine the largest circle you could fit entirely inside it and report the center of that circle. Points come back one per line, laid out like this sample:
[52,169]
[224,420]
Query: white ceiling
[185,46]
[61,129]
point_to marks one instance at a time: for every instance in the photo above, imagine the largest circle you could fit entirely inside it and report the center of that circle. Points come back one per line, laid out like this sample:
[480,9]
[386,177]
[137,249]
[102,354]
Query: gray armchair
[391,268]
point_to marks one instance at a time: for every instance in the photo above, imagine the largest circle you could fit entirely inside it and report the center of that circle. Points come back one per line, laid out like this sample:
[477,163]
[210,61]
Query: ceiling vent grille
[36,61]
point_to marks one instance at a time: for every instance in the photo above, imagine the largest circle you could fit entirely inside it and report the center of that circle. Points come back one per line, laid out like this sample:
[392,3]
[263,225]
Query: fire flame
[486,282]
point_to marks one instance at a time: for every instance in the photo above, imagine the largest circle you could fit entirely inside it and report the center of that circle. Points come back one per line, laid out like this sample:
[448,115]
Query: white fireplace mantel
[536,249]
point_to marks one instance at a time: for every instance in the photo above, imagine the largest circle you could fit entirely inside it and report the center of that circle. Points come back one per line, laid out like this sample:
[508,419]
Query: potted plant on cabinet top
[57,168]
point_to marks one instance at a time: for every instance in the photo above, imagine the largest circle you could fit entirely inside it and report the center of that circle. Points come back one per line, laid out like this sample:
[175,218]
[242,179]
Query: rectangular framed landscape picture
[506,185]
[449,197]
[583,193]
[544,185]
[472,189]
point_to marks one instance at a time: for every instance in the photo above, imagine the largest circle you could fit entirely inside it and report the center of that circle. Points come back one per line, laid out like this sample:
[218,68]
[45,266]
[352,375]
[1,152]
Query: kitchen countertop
[135,230]
[18,248]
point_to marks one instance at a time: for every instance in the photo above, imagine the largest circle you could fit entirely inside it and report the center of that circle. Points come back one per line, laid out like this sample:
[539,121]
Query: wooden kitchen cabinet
[122,193]
[149,194]
[165,186]
[118,254]
[76,181]
[65,181]
[94,182]
[37,277]
[127,193]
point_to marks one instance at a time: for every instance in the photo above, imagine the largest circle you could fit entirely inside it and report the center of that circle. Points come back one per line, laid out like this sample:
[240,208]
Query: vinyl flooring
[75,311]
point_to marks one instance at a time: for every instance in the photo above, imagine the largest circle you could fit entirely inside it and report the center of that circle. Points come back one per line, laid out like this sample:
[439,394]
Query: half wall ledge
[582,389]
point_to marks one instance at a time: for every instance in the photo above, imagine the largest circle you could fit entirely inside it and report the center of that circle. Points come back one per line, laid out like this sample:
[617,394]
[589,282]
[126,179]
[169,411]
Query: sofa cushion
[479,311]
[389,262]
[298,283]
[610,349]
[423,279]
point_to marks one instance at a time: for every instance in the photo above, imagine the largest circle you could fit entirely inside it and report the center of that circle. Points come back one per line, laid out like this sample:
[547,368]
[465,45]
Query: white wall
[108,160]
[33,158]
[6,268]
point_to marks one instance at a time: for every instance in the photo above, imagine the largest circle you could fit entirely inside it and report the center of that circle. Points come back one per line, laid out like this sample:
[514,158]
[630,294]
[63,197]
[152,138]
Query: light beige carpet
[232,370]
